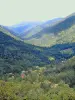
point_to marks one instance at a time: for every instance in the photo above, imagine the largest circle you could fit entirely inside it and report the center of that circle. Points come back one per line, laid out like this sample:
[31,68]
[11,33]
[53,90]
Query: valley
[37,60]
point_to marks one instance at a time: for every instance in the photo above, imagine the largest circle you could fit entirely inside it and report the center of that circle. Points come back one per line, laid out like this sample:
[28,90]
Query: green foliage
[15,55]
[67,51]
[64,70]
[51,58]
[36,85]
[51,82]
[42,80]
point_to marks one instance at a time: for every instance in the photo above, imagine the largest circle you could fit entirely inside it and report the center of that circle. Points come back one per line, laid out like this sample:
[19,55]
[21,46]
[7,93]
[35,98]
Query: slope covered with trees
[52,82]
[15,55]
[29,72]
[27,29]
[61,32]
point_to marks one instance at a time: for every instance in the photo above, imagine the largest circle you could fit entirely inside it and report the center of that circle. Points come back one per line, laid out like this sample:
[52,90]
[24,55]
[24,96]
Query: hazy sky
[15,11]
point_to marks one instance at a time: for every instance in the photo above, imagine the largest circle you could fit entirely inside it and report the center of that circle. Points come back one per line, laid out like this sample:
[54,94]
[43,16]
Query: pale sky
[16,11]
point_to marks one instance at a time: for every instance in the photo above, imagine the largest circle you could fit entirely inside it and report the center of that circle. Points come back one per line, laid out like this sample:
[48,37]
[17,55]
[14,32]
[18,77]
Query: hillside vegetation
[52,82]
[29,72]
[61,32]
[16,55]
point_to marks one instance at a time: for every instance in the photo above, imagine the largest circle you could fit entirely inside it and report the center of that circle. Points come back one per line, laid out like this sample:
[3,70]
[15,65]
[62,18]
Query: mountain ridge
[52,34]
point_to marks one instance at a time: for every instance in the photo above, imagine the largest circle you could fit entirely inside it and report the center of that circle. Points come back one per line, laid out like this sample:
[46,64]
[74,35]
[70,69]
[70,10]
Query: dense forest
[51,82]
[16,55]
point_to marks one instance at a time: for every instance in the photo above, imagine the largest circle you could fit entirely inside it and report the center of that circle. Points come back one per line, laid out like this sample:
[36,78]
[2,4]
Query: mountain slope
[38,28]
[20,29]
[27,29]
[15,55]
[60,32]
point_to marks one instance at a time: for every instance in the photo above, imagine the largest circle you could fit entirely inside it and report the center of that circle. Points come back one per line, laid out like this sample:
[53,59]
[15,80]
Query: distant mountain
[38,28]
[52,32]
[51,22]
[27,29]
[62,31]
[21,28]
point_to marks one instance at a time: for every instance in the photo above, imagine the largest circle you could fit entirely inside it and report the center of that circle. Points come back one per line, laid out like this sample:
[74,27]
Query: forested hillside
[29,72]
[37,50]
[50,82]
[15,55]
[61,32]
